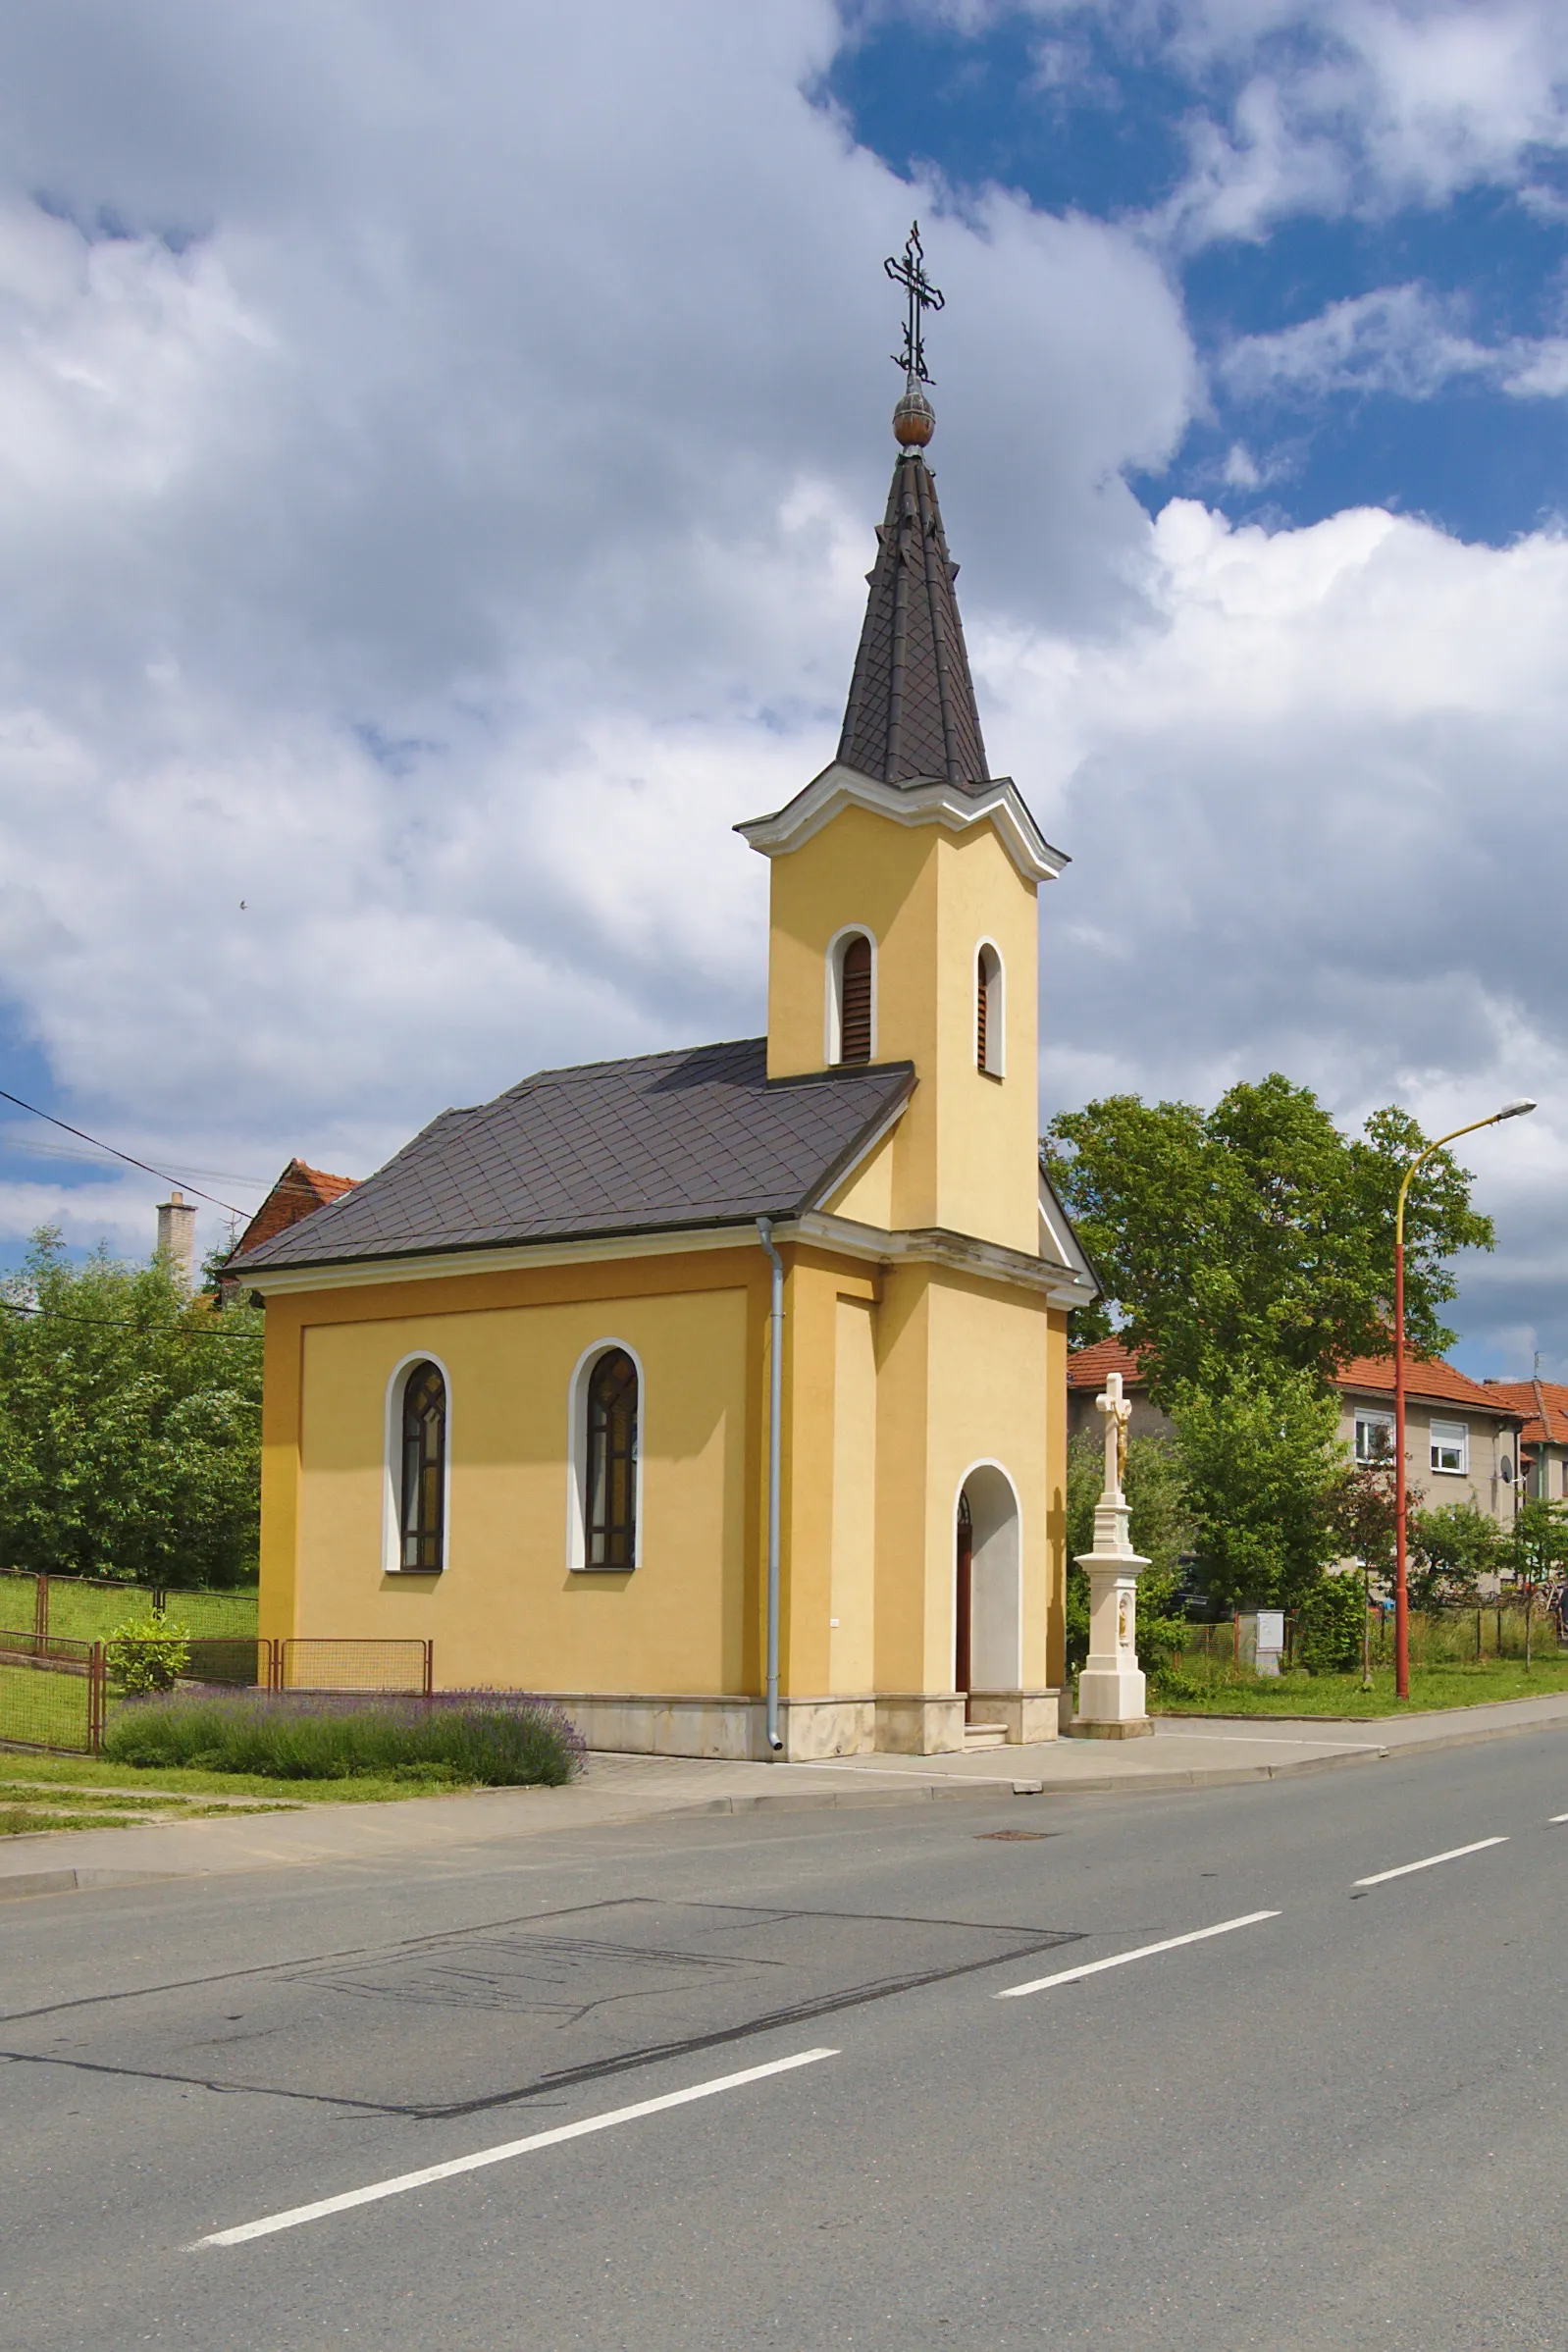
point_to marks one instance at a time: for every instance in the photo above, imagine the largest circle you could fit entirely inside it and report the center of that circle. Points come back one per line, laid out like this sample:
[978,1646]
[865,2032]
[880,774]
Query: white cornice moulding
[988,1260]
[449,1265]
[933,804]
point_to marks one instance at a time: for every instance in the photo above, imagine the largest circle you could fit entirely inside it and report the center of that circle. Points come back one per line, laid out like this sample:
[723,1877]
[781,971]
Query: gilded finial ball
[913,419]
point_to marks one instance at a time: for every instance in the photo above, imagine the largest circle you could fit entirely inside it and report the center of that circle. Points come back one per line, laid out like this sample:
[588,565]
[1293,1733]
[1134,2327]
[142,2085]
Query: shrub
[1331,1625]
[497,1738]
[146,1653]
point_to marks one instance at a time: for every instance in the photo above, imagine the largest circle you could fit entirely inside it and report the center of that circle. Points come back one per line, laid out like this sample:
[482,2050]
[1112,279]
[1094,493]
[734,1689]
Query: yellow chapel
[720,1395]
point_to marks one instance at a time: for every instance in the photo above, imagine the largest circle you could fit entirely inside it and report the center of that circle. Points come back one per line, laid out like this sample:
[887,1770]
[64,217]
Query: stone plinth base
[1027,1716]
[1137,1727]
[734,1730]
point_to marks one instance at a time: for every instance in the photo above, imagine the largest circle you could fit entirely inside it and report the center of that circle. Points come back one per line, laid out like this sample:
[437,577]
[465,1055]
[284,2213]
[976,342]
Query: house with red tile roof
[1544,1435]
[1462,1436]
[298,1192]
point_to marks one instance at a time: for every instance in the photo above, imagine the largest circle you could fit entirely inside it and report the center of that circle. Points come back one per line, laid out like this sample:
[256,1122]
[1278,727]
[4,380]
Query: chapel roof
[692,1138]
[912,712]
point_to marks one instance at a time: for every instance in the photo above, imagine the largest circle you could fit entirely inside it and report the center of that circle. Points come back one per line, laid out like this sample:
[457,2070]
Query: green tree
[1537,1553]
[1262,1475]
[129,1424]
[1256,1235]
[1450,1550]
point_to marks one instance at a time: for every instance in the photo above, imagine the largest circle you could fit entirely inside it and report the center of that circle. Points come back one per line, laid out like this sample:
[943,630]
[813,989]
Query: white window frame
[994,1064]
[577,1559]
[1445,1444]
[392,1516]
[833,1000]
[1370,1418]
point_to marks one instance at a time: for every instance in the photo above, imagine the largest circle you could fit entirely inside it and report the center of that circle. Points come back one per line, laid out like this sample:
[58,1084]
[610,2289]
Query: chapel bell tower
[903,920]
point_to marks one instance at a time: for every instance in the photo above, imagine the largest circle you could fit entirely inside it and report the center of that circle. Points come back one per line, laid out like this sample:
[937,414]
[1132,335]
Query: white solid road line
[1429,1861]
[298,2214]
[1120,1960]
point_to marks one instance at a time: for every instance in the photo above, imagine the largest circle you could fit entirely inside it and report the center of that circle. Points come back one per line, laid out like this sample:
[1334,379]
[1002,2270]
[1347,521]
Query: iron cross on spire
[910,273]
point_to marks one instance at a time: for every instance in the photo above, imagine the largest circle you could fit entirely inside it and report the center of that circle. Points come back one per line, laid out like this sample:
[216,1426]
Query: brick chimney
[176,1238]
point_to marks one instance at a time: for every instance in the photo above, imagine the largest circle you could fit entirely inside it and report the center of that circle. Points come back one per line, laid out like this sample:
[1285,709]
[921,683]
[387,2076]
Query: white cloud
[437,462]
[1403,339]
[1315,811]
[1330,106]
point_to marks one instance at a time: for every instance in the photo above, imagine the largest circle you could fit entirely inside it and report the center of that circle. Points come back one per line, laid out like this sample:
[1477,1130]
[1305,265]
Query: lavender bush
[499,1738]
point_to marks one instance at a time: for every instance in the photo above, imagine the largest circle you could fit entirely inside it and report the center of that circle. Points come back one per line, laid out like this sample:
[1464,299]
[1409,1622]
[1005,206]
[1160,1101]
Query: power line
[112,1323]
[83,1137]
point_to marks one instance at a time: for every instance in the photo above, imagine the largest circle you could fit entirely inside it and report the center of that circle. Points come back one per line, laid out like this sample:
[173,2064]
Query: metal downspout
[775,1449]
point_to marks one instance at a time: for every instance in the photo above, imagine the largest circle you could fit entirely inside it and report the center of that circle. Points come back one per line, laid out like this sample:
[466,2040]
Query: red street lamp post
[1401,1589]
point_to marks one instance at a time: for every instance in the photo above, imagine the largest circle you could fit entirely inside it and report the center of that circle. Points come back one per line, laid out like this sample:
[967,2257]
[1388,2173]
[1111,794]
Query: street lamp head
[1515,1110]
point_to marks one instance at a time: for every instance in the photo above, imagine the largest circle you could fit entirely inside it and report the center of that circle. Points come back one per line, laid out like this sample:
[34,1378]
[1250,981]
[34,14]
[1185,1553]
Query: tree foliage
[129,1424]
[1256,1234]
[1263,1472]
[1451,1549]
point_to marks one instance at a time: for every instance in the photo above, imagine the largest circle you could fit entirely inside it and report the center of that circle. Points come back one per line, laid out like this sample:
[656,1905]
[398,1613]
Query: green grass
[88,1772]
[1431,1687]
[50,1709]
[90,1612]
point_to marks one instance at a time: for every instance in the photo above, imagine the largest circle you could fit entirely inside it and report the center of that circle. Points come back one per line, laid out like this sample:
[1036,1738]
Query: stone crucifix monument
[1112,1698]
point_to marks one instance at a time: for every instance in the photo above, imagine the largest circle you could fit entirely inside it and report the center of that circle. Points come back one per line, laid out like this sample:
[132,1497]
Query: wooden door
[965,1561]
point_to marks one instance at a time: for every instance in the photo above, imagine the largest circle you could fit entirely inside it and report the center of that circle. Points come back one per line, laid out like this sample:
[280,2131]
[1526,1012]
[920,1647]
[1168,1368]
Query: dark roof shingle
[670,1140]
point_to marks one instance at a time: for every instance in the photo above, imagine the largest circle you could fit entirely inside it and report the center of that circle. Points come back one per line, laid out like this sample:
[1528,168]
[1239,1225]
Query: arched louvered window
[855,999]
[611,1498]
[988,1016]
[421,1527]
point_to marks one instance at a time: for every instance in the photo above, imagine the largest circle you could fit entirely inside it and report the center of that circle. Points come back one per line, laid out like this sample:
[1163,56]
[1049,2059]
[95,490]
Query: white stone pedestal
[1112,1699]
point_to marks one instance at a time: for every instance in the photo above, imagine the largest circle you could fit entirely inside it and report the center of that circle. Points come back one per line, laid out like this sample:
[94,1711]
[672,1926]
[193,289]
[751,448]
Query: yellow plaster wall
[851,1601]
[507,1609]
[963,1153]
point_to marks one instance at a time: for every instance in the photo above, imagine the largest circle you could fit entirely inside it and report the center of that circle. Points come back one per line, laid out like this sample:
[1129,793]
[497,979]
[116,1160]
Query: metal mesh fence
[51,1692]
[238,1664]
[87,1609]
[317,1663]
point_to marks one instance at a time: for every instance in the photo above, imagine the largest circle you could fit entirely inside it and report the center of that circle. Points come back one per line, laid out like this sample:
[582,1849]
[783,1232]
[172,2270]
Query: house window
[1450,1447]
[850,1016]
[989,1027]
[420,1524]
[1374,1436]
[611,1462]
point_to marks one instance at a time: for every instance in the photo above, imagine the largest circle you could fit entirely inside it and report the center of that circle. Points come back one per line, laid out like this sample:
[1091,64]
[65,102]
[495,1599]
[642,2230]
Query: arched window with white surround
[852,998]
[990,1014]
[422,1469]
[606,1459]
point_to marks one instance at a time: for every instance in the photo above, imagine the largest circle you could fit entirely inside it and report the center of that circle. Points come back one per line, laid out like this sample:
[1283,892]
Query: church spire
[912,713]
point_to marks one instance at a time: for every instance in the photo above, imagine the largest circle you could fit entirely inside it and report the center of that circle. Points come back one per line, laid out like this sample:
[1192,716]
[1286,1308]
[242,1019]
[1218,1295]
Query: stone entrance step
[985,1735]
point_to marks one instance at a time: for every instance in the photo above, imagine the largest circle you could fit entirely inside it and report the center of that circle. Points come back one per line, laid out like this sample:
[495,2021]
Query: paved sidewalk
[1185,1752]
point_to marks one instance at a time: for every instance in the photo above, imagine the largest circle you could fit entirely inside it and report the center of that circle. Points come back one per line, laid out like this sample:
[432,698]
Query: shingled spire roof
[910,710]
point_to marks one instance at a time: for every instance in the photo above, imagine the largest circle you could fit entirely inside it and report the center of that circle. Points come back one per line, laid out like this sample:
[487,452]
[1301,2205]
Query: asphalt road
[1343,2125]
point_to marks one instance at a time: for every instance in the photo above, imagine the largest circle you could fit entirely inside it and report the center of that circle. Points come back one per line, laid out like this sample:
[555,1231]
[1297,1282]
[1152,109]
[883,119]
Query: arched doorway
[987,1627]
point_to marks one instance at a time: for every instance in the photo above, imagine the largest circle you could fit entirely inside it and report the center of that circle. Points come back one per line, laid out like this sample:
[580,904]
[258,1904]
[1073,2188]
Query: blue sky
[437,462]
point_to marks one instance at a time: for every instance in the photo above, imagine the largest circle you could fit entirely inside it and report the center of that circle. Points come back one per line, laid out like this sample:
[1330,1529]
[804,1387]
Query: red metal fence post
[95,1697]
[430,1669]
[40,1607]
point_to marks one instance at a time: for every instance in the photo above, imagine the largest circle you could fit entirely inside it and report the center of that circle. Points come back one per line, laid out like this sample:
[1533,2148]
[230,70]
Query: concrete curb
[1159,1781]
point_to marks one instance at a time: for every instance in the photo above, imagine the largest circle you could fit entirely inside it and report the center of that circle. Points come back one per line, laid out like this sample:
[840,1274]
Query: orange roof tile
[1088,1366]
[297,1193]
[1544,1405]
[1425,1377]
